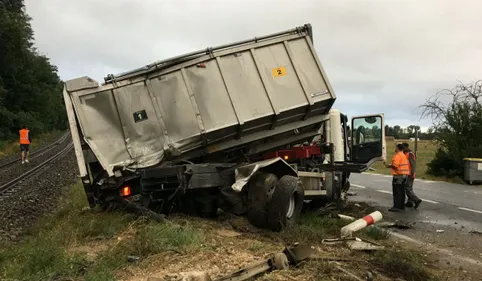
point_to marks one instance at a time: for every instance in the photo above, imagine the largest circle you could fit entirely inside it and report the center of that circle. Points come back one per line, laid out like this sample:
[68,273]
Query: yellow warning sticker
[279,71]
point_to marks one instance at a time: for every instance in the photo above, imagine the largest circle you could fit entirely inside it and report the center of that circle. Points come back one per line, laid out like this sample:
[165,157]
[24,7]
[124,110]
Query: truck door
[368,138]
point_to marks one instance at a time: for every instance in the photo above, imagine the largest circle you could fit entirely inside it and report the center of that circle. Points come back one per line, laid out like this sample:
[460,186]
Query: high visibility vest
[410,168]
[400,164]
[24,136]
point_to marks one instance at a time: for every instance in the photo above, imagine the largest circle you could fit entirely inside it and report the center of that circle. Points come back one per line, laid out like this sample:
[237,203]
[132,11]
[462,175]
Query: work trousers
[409,190]
[398,189]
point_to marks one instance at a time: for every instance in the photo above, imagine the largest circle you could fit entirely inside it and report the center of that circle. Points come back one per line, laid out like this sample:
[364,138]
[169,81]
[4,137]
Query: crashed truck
[214,129]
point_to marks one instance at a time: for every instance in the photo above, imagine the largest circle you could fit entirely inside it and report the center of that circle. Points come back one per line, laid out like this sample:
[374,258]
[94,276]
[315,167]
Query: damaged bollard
[359,224]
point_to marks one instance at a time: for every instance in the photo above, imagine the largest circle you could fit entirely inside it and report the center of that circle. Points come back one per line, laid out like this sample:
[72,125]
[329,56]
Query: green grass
[425,153]
[47,249]
[8,148]
[410,265]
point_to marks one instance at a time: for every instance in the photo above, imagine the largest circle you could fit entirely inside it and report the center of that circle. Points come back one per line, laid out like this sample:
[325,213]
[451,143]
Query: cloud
[380,56]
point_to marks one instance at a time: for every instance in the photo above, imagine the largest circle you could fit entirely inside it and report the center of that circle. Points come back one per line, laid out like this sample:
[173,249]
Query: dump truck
[206,131]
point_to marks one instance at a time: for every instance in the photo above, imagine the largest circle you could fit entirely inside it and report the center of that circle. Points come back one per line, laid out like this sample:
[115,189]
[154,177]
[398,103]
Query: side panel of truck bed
[224,95]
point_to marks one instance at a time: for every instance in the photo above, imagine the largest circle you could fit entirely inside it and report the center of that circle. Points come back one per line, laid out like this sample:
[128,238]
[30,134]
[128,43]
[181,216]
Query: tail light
[285,157]
[126,191]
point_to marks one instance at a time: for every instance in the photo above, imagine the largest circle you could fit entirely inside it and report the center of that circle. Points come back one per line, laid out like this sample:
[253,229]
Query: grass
[425,153]
[410,265]
[8,148]
[107,239]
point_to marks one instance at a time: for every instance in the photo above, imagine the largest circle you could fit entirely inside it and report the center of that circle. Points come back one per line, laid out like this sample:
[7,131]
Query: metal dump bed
[265,89]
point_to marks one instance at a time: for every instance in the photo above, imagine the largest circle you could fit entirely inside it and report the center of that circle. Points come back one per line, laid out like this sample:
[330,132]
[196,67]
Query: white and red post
[359,224]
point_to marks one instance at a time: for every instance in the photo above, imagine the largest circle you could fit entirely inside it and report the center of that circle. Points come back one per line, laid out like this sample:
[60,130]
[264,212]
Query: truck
[232,127]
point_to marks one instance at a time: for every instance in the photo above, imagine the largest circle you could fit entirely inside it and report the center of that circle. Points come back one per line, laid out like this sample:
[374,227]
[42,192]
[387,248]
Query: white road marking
[429,201]
[387,176]
[470,210]
[359,186]
[384,191]
[427,181]
[425,200]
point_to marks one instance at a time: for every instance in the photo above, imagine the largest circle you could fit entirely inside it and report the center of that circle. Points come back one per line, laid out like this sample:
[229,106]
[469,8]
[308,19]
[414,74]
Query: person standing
[400,173]
[25,142]
[413,199]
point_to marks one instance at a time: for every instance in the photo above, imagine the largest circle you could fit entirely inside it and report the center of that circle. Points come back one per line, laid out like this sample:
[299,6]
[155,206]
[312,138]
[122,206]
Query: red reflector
[126,191]
[202,65]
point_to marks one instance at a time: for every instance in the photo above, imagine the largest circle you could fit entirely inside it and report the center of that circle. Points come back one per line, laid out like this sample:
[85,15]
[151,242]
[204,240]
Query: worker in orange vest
[25,142]
[413,200]
[400,172]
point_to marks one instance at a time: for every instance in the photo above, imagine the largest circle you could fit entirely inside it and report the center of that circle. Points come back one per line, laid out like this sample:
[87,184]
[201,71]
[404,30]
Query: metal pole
[416,142]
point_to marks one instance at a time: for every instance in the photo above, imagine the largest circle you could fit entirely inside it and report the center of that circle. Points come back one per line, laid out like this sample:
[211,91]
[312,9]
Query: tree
[457,127]
[30,89]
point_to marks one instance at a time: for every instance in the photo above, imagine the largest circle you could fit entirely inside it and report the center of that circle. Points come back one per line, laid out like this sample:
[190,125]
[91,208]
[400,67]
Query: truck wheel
[285,206]
[260,188]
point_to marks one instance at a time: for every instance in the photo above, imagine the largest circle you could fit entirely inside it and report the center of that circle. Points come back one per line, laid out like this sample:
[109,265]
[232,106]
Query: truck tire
[260,188]
[285,206]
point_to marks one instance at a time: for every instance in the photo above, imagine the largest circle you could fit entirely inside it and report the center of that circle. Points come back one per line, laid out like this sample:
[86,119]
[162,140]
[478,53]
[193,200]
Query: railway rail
[12,183]
[37,153]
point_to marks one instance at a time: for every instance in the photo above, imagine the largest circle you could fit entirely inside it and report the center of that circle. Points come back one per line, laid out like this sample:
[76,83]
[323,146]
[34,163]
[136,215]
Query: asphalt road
[447,217]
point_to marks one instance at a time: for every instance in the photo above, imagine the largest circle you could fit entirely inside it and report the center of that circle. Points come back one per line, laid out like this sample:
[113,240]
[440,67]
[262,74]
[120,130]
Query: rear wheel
[260,188]
[286,203]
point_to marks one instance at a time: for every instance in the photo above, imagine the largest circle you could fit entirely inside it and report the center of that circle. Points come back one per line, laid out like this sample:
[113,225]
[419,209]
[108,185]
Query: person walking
[413,200]
[25,142]
[400,172]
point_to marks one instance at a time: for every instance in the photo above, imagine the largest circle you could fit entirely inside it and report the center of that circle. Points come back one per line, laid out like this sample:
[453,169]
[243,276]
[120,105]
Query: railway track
[37,153]
[4,188]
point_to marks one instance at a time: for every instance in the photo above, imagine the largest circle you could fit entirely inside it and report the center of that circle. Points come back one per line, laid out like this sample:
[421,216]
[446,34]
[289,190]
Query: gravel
[42,143]
[16,169]
[36,196]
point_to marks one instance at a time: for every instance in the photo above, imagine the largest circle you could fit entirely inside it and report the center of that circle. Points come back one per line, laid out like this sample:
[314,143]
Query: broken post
[370,219]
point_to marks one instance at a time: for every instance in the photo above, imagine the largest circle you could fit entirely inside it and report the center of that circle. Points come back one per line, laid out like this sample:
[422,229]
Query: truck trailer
[246,127]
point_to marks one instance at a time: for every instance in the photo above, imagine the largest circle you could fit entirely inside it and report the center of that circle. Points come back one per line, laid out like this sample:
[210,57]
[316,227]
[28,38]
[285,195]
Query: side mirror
[368,138]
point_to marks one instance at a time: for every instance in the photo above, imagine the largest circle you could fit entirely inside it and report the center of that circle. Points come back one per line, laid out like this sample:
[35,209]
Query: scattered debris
[278,261]
[133,258]
[475,232]
[360,245]
[345,217]
[397,224]
[354,243]
[440,231]
[351,193]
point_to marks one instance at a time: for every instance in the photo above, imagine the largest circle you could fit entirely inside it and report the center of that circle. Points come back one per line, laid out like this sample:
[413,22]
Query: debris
[345,217]
[359,224]
[397,224]
[363,246]
[132,258]
[278,261]
[440,231]
[475,232]
[351,193]
[228,233]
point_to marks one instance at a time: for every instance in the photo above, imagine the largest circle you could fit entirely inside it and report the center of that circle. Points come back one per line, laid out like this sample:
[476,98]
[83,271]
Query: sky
[380,56]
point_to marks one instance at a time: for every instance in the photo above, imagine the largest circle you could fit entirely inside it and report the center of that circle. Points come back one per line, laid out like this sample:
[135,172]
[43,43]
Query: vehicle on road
[217,128]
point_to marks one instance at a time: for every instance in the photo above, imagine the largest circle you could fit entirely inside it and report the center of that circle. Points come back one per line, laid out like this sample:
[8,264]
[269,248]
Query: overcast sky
[376,53]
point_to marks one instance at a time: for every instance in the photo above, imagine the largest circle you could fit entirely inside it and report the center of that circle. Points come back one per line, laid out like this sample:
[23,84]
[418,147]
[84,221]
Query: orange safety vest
[407,154]
[400,164]
[24,136]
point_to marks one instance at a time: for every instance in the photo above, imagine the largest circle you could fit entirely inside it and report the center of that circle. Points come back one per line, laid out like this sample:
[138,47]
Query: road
[445,219]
